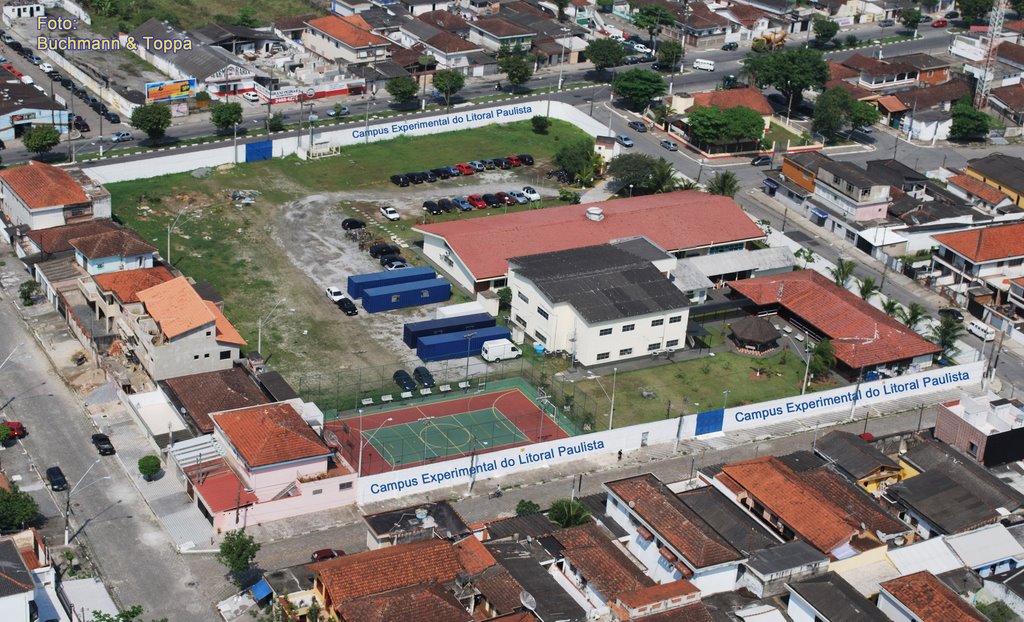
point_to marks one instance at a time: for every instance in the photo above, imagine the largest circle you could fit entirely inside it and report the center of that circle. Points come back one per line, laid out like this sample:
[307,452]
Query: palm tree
[662,177]
[945,334]
[842,272]
[724,183]
[568,513]
[562,5]
[823,358]
[688,184]
[892,307]
[913,315]
[868,288]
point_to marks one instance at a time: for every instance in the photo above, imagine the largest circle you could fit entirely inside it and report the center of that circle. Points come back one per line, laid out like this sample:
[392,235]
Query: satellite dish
[527,600]
[332,439]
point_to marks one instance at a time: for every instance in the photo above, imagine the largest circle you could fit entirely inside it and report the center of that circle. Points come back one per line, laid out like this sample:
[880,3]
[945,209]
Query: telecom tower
[995,29]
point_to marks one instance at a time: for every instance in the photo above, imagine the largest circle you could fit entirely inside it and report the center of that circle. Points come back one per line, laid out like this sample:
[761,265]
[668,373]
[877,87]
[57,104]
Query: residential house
[110,293]
[829,598]
[794,182]
[988,428]
[987,550]
[878,74]
[532,567]
[1016,296]
[1000,171]
[55,242]
[451,51]
[291,27]
[724,99]
[678,600]
[859,460]
[671,540]
[931,70]
[494,32]
[601,303]
[849,192]
[1008,103]
[1007,587]
[736,265]
[446,21]
[17,586]
[19,9]
[1010,53]
[424,521]
[24,106]
[596,569]
[344,40]
[113,251]
[197,396]
[40,196]
[899,176]
[177,333]
[237,39]
[989,257]
[921,596]
[702,27]
[982,196]
[933,555]
[940,96]
[767,571]
[753,21]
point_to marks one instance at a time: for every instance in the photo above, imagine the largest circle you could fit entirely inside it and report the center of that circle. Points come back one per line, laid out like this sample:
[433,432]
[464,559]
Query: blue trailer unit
[415,330]
[359,283]
[454,345]
[377,299]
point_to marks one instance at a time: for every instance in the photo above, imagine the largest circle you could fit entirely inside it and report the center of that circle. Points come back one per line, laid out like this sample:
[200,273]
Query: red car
[465,169]
[17,429]
[514,160]
[322,554]
[940,23]
[476,201]
[504,198]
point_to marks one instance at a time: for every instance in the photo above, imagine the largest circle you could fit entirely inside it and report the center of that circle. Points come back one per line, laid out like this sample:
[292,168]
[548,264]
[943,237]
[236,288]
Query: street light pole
[265,320]
[468,337]
[611,410]
[807,368]
[364,443]
[234,143]
[725,399]
[67,504]
[170,229]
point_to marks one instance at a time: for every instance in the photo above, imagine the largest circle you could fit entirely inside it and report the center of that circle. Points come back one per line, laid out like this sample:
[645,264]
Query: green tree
[505,297]
[569,197]
[669,54]
[806,256]
[426,61]
[153,119]
[568,513]
[131,614]
[913,315]
[972,10]
[40,138]
[662,177]
[402,89]
[606,6]
[842,271]
[540,124]
[275,123]
[28,290]
[830,111]
[647,174]
[743,124]
[17,509]
[238,551]
[449,82]
[562,5]
[823,359]
[526,507]
[968,123]
[605,53]
[868,288]
[824,29]
[791,72]
[945,334]
[575,156]
[247,17]
[651,17]
[5,433]
[224,116]
[891,307]
[149,466]
[705,123]
[640,86]
[863,114]
[513,63]
[910,18]
[313,613]
[724,183]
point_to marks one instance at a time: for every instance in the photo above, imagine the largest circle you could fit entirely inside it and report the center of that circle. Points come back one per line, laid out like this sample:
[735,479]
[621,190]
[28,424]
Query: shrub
[149,466]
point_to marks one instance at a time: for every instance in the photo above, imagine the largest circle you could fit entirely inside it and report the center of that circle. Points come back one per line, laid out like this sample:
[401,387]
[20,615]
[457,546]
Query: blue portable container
[359,283]
[413,331]
[454,345]
[377,299]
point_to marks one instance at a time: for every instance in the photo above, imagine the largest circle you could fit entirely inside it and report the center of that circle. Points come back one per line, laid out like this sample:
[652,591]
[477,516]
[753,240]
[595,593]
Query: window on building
[603,356]
[344,485]
[225,355]
[206,356]
[625,351]
[658,322]
[539,336]
[318,491]
[195,357]
[605,331]
[541,312]
[972,449]
[671,343]
[520,321]
[628,328]
[654,346]
[675,319]
[523,297]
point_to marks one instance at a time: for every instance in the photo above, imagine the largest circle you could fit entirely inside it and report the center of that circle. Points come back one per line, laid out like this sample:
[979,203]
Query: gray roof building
[785,557]
[738,528]
[853,455]
[419,522]
[1005,170]
[15,577]
[833,599]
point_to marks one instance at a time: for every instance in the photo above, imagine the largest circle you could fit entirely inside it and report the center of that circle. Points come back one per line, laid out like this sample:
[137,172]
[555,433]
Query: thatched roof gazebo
[755,333]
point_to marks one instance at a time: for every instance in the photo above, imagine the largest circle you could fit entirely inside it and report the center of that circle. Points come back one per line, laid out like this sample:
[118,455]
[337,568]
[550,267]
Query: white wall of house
[869,206]
[894,609]
[268,481]
[15,608]
[21,214]
[799,610]
[438,251]
[195,352]
[114,263]
[717,579]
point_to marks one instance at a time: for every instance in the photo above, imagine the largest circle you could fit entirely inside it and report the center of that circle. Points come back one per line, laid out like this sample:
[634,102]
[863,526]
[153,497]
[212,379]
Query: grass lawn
[188,14]
[781,135]
[693,386]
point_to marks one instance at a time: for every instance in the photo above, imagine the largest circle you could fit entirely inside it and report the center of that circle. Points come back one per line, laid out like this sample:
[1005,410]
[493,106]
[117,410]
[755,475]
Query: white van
[499,350]
[981,330]
[704,64]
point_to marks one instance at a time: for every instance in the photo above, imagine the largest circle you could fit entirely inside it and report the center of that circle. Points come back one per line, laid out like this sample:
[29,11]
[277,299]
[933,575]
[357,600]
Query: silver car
[670,145]
[624,140]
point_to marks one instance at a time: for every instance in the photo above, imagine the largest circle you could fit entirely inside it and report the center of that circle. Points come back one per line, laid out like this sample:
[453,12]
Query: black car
[103,444]
[761,160]
[491,200]
[502,163]
[383,248]
[14,45]
[639,126]
[67,83]
[80,124]
[55,478]
[349,307]
[526,159]
[441,173]
[100,108]
[454,172]
[953,313]
[432,207]
[429,176]
[400,180]
[416,178]
[732,45]
[446,205]
[113,117]
[647,58]
[952,15]
[404,380]
[488,164]
[352,223]
[423,376]
[391,258]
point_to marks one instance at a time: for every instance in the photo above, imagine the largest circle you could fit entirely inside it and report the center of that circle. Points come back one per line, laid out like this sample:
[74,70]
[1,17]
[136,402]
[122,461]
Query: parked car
[671,145]
[886,23]
[640,47]
[387,260]
[390,213]
[454,171]
[112,117]
[404,380]
[488,164]
[514,160]
[441,173]
[639,126]
[35,59]
[428,176]
[502,163]
[322,554]
[383,248]
[432,207]
[67,83]
[531,194]
[462,204]
[313,117]
[476,201]
[347,306]
[352,223]
[423,376]
[103,445]
[952,15]
[121,137]
[55,478]
[80,124]
[339,111]
[519,196]
[505,198]
[400,180]
[491,200]
[624,140]
[16,427]
[396,265]
[729,47]
[46,67]
[477,166]
[446,205]
[761,160]
[940,23]
[416,178]
[953,313]
[526,159]
[465,169]
[334,294]
[251,96]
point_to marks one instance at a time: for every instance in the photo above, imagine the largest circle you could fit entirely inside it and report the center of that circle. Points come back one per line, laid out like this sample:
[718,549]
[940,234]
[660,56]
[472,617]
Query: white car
[531,194]
[27,79]
[251,96]
[390,213]
[313,117]
[640,47]
[46,67]
[334,294]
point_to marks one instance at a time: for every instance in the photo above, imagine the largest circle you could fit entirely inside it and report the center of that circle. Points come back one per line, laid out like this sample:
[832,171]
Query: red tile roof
[677,524]
[41,185]
[352,30]
[126,284]
[1011,52]
[861,335]
[987,243]
[472,555]
[776,487]
[734,98]
[58,239]
[657,593]
[697,612]
[226,332]
[838,71]
[746,14]
[202,394]
[422,603]
[445,20]
[500,589]
[857,92]
[926,97]
[604,566]
[121,243]
[674,221]
[1012,96]
[977,187]
[219,486]
[500,28]
[854,505]
[270,434]
[176,307]
[929,599]
[892,103]
[449,43]
[361,574]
